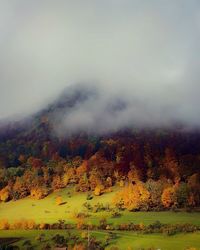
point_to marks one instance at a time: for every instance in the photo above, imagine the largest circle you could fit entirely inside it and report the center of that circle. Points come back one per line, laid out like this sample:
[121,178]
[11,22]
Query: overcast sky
[145,51]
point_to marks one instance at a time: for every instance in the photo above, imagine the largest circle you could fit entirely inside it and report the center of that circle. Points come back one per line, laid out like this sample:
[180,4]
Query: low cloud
[141,57]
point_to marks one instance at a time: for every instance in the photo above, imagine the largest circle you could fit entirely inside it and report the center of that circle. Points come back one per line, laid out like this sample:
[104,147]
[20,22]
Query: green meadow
[124,241]
[47,211]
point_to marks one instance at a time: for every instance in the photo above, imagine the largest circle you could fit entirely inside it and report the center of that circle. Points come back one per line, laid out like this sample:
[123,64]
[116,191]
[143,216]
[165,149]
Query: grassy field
[47,211]
[123,241]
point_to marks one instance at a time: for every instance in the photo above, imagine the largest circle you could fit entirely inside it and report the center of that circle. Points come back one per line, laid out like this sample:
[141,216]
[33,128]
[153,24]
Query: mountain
[30,136]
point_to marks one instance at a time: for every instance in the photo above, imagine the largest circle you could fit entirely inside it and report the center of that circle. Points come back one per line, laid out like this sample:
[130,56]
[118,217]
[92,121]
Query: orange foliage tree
[132,197]
[5,194]
[39,192]
[168,197]
[59,200]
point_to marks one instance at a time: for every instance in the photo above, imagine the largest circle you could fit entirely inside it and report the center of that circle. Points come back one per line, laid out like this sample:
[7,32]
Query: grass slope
[47,211]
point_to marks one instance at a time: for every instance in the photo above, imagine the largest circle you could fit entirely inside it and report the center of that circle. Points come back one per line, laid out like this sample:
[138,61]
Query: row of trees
[158,195]
[81,224]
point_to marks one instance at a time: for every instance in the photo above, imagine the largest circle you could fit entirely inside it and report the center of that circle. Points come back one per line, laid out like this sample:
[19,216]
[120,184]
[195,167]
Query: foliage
[132,197]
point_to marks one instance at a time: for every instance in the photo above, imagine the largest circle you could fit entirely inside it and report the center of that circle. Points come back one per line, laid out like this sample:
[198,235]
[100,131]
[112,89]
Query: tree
[134,174]
[194,186]
[31,224]
[39,192]
[83,184]
[155,189]
[109,182]
[82,169]
[57,182]
[4,225]
[168,197]
[35,162]
[182,194]
[5,194]
[132,197]
[171,164]
[94,179]
[98,190]
[20,189]
[65,179]
[59,200]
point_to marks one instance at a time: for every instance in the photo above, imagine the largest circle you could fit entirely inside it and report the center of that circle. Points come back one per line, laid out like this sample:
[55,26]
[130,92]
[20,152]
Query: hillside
[35,159]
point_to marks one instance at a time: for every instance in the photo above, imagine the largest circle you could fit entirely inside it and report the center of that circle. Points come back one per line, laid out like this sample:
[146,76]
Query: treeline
[155,227]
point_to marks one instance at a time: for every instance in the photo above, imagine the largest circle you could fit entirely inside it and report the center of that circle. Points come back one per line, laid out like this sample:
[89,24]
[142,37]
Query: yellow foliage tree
[31,224]
[98,190]
[65,179]
[132,196]
[5,194]
[168,198]
[59,200]
[82,169]
[4,225]
[39,193]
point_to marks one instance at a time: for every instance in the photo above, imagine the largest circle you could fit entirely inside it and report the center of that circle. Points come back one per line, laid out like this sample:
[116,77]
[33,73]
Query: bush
[89,197]
[39,193]
[59,200]
[116,214]
[59,240]
[4,225]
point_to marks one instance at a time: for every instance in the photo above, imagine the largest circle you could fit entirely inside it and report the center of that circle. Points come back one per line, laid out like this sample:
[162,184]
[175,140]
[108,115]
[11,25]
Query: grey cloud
[143,53]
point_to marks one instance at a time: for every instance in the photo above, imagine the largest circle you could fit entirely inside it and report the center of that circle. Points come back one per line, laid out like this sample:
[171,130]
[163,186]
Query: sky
[144,53]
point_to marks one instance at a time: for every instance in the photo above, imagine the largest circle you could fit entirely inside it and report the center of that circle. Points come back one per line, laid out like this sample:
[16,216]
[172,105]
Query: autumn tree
[83,184]
[168,197]
[98,190]
[155,189]
[4,224]
[82,169]
[59,200]
[57,182]
[182,194]
[5,194]
[20,189]
[132,197]
[194,186]
[39,192]
[171,166]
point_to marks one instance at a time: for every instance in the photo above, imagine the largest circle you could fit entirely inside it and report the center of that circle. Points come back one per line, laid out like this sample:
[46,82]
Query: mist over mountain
[89,109]
[139,60]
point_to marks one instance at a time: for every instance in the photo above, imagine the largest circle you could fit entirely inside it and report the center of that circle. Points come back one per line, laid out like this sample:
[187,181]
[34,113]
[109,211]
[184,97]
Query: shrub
[31,224]
[5,194]
[40,237]
[89,197]
[39,193]
[59,200]
[4,225]
[59,240]
[103,223]
[116,214]
[97,191]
